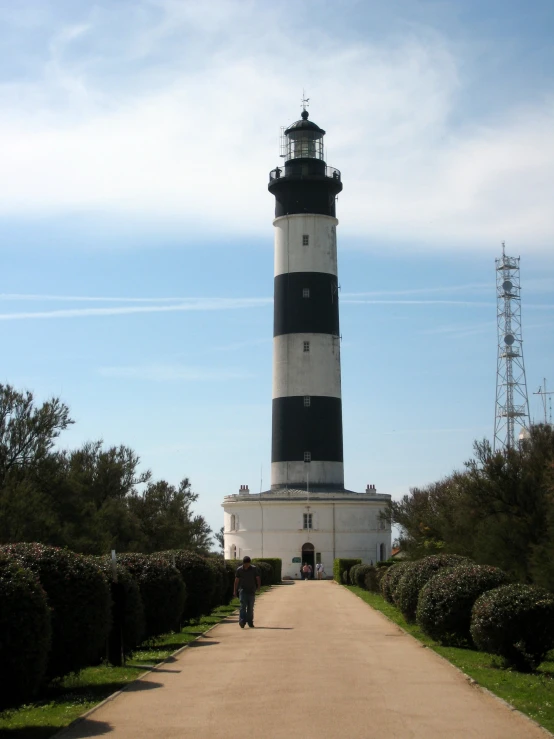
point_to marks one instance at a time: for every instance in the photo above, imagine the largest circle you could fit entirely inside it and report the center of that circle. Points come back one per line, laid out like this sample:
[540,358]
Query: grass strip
[532,694]
[72,696]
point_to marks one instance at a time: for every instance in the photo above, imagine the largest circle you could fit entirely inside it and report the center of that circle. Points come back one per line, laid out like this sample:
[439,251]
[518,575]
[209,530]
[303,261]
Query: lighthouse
[307,515]
[306,449]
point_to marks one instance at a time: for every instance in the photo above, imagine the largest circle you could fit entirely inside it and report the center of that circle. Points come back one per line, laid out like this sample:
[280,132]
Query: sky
[136,237]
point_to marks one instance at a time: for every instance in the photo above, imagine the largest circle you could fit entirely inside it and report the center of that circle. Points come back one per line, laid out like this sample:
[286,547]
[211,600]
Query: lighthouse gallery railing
[280,172]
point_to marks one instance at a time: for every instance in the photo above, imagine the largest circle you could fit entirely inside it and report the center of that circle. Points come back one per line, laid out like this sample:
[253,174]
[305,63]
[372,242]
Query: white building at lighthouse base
[298,527]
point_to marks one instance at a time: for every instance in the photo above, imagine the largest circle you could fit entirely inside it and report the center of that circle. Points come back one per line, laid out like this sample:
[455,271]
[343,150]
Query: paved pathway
[321,664]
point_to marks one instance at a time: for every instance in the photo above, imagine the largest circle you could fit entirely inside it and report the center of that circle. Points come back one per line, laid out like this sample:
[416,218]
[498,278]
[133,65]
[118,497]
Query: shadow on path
[196,644]
[89,727]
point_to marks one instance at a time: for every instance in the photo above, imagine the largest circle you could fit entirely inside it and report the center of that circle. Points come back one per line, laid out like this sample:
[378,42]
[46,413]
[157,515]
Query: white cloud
[189,140]
[192,304]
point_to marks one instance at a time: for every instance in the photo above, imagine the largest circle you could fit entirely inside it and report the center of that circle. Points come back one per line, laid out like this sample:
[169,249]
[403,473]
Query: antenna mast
[544,393]
[512,403]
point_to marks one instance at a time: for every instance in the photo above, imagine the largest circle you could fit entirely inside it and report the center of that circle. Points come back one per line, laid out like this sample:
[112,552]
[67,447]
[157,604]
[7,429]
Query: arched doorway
[308,556]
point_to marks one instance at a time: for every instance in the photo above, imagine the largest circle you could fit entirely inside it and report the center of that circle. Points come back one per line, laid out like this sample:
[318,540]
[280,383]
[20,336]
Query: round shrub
[371,576]
[24,632]
[162,590]
[220,589]
[200,579]
[79,598]
[445,602]
[360,574]
[515,622]
[352,574]
[380,573]
[133,625]
[390,580]
[416,576]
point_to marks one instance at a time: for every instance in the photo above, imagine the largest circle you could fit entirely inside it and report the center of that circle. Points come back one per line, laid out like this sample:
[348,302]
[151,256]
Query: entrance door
[308,556]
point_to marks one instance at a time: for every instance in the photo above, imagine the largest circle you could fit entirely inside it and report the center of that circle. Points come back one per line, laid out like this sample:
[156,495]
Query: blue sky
[135,224]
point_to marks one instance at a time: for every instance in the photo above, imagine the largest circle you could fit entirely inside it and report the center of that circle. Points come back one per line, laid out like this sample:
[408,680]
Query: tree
[166,519]
[498,511]
[220,538]
[27,432]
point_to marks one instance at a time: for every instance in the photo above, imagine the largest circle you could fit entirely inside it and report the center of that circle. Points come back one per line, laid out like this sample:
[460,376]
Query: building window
[306,346]
[306,292]
[233,522]
[308,521]
[233,551]
[307,456]
[307,401]
[382,553]
[305,240]
[382,524]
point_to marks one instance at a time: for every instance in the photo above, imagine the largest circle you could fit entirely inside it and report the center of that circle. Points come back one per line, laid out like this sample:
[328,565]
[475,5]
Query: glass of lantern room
[304,144]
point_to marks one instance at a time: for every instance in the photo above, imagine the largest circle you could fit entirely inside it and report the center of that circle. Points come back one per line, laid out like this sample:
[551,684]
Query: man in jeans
[247,583]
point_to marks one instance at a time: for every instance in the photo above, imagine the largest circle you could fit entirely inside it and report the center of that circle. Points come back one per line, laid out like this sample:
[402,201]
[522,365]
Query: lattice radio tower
[512,404]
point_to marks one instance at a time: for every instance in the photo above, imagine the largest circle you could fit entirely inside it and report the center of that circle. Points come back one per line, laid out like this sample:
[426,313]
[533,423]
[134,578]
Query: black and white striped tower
[307,409]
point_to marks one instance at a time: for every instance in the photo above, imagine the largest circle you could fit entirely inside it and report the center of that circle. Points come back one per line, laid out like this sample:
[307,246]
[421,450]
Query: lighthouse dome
[304,125]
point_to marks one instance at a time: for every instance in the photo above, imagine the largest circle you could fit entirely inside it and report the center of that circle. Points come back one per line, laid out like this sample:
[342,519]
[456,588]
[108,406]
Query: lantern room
[304,140]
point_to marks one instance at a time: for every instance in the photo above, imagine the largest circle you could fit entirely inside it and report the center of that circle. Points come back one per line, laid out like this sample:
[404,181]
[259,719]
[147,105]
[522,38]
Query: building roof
[297,494]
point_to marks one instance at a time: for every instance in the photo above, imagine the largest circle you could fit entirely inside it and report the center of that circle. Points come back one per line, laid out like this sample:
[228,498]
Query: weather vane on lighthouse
[305,101]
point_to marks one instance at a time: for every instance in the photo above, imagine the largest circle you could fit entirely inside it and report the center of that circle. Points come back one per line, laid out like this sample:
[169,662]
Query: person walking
[247,584]
[306,571]
[319,570]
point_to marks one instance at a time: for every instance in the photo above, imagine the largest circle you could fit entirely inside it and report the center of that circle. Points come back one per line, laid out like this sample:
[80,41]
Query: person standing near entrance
[247,584]
[319,571]
[306,571]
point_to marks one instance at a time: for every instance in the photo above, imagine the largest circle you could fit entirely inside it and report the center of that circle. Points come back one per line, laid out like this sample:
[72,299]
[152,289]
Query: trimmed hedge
[265,571]
[133,625]
[515,622]
[276,564]
[230,568]
[24,632]
[416,576]
[200,579]
[162,590]
[79,597]
[342,565]
[445,602]
[391,579]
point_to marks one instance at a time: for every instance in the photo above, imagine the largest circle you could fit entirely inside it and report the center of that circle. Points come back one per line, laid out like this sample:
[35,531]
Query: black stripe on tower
[314,428]
[305,186]
[306,302]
